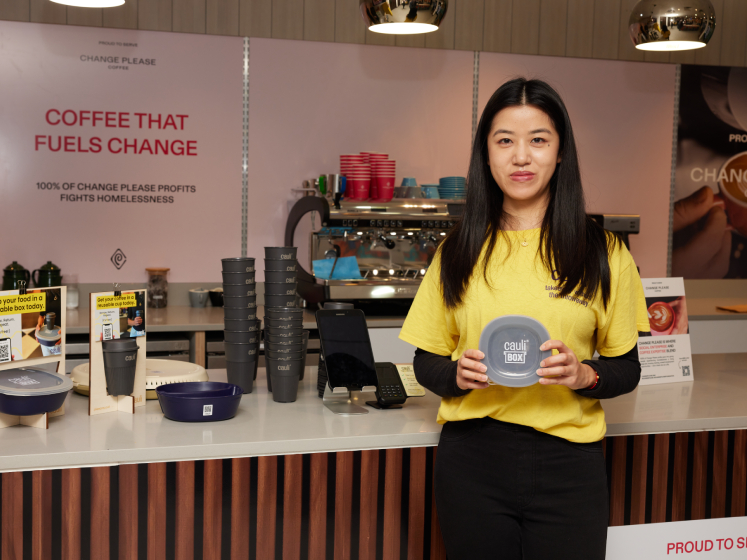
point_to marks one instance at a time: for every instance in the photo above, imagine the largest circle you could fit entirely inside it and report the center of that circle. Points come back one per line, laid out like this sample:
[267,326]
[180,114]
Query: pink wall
[310,102]
[622,115]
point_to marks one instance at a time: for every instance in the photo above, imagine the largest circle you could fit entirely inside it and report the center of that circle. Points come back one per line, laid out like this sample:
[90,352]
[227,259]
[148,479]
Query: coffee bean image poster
[710,210]
[665,355]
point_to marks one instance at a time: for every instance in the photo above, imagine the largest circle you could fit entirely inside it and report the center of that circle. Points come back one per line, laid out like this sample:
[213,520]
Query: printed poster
[122,145]
[119,316]
[665,356]
[710,211]
[30,324]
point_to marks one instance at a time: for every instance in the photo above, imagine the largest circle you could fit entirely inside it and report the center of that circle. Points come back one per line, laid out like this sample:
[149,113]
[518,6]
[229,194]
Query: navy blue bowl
[200,401]
[17,405]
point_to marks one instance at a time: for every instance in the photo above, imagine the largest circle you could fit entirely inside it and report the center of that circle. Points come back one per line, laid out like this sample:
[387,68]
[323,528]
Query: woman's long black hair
[572,245]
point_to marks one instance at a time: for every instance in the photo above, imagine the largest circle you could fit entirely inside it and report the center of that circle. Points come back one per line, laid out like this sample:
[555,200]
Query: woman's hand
[564,368]
[470,372]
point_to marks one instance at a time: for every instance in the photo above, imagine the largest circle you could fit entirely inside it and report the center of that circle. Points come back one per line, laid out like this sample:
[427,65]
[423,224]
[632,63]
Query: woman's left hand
[564,368]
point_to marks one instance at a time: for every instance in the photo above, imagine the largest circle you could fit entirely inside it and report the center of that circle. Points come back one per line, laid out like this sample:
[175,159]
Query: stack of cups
[382,178]
[285,339]
[242,327]
[357,171]
[359,182]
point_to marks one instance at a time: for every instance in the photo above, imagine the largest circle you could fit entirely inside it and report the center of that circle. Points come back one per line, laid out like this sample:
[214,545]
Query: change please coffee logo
[515,352]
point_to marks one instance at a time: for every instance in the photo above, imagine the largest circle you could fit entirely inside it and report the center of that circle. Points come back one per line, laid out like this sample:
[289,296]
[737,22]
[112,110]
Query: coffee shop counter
[335,484]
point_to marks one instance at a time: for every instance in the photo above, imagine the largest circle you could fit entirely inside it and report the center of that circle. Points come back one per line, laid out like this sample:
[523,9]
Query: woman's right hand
[471,372]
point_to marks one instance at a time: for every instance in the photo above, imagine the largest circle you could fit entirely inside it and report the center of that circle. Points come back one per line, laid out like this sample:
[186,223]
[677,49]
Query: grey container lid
[30,382]
[511,347]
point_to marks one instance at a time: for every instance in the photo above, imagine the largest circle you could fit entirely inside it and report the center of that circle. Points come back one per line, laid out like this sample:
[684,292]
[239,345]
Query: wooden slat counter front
[296,481]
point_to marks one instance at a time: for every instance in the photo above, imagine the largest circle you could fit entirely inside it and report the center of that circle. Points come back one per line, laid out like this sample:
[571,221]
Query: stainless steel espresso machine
[393,242]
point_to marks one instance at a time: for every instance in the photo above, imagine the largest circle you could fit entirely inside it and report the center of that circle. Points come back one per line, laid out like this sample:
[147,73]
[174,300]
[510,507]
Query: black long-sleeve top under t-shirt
[617,376]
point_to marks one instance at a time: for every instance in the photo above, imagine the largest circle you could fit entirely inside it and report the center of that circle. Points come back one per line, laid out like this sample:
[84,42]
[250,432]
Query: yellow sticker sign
[110,302]
[27,303]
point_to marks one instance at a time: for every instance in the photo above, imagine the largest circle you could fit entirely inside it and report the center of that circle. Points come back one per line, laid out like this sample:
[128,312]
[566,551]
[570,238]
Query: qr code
[207,410]
[4,350]
[685,371]
[107,331]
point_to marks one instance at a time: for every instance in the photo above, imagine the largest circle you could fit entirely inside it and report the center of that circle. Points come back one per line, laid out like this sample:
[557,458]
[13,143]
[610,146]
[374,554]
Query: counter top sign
[32,332]
[117,359]
[665,356]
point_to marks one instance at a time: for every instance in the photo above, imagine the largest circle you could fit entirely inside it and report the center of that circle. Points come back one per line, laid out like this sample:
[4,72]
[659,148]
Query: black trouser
[510,492]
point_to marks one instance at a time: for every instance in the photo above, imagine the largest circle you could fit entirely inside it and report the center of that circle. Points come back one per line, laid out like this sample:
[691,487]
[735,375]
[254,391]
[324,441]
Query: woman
[520,471]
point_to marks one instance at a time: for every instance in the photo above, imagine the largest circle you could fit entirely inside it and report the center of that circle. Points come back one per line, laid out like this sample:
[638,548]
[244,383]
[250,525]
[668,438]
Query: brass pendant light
[403,17]
[676,26]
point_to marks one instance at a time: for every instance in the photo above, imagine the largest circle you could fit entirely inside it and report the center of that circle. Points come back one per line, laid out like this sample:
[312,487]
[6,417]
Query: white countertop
[714,401]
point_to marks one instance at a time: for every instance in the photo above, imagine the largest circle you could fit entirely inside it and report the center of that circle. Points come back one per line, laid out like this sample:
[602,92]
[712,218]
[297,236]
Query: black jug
[12,274]
[47,276]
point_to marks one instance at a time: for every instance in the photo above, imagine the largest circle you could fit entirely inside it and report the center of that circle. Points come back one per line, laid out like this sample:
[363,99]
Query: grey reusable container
[296,332]
[280,289]
[250,325]
[242,374]
[246,302]
[241,352]
[280,277]
[239,290]
[285,377]
[283,348]
[271,337]
[284,323]
[281,355]
[28,391]
[240,313]
[280,266]
[241,337]
[238,278]
[277,334]
[240,264]
[284,313]
[120,363]
[280,301]
[281,253]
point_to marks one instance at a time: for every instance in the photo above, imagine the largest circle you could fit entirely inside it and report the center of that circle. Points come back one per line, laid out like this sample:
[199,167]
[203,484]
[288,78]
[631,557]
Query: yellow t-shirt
[521,285]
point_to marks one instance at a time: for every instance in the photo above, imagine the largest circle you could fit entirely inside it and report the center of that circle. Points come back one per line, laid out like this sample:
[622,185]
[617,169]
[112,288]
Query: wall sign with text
[123,145]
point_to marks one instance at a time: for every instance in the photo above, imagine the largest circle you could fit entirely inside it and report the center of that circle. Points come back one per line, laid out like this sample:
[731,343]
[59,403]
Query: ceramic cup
[198,297]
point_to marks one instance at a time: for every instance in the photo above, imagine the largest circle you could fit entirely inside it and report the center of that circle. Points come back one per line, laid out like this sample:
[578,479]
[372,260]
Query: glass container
[158,287]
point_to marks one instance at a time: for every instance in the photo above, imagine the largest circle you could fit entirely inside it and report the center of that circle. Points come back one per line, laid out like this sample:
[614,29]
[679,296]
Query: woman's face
[523,153]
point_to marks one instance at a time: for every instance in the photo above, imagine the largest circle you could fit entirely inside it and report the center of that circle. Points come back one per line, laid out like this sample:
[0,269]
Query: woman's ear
[560,158]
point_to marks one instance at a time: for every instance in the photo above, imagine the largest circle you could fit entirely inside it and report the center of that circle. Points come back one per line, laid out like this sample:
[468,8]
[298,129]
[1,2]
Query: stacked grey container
[242,327]
[285,339]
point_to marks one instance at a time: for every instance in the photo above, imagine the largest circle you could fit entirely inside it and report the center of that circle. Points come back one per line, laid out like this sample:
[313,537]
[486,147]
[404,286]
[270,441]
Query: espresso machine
[394,243]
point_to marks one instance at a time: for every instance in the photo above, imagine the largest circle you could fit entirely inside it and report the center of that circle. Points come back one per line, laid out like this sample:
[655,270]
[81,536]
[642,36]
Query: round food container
[511,345]
[28,391]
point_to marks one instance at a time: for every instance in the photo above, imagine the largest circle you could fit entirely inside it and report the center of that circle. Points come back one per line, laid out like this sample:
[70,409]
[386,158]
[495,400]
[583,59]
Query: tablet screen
[347,349]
